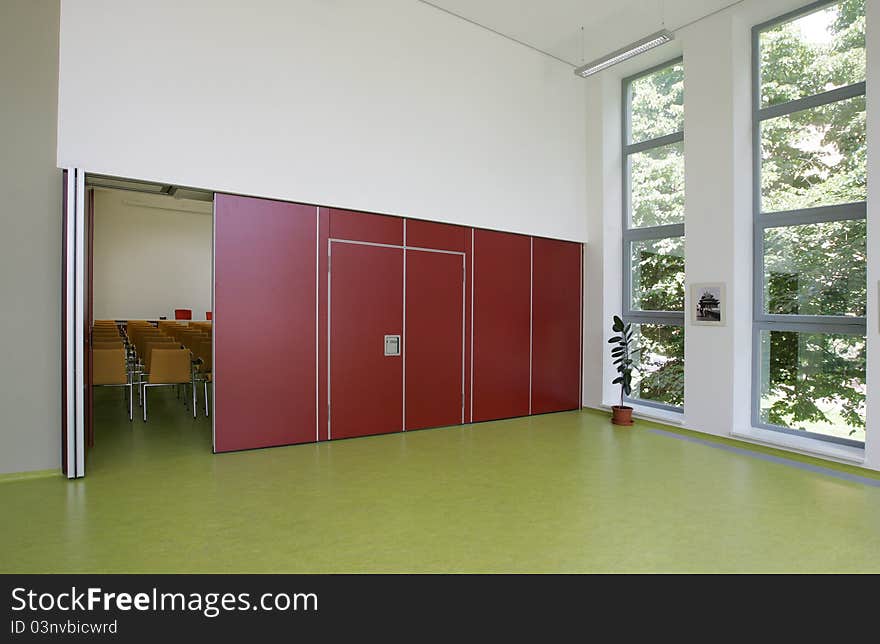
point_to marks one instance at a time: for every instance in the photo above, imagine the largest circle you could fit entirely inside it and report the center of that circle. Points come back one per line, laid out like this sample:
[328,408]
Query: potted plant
[622,354]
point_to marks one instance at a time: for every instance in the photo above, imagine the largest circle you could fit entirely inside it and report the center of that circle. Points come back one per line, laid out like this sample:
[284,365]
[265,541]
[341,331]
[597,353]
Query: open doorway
[148,307]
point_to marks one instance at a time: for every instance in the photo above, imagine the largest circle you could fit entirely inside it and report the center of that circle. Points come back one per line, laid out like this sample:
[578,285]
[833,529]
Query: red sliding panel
[427,234]
[323,283]
[501,320]
[468,338]
[265,313]
[434,340]
[361,226]
[366,304]
[556,325]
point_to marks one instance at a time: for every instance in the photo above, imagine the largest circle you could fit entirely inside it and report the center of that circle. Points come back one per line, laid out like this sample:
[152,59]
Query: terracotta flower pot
[621,415]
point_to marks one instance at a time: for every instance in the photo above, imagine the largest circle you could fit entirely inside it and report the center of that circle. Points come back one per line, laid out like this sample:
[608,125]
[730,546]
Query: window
[810,227]
[653,231]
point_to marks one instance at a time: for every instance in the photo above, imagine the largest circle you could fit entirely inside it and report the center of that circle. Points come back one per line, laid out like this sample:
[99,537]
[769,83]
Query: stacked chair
[197,337]
[158,359]
[144,355]
[110,366]
[168,367]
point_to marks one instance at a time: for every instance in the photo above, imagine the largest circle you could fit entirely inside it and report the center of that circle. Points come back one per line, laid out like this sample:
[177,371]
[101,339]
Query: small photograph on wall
[708,305]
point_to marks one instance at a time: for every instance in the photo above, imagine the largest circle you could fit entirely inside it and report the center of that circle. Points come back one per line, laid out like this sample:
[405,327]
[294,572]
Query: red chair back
[183,314]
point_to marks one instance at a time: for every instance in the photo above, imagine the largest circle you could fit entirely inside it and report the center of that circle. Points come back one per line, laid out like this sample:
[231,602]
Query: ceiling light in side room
[625,53]
[115,183]
[192,194]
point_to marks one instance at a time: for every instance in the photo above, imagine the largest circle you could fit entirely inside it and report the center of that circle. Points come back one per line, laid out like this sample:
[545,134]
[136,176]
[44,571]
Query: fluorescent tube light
[625,53]
[114,183]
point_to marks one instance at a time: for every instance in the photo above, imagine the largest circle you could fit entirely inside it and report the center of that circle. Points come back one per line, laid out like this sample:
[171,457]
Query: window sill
[652,413]
[801,444]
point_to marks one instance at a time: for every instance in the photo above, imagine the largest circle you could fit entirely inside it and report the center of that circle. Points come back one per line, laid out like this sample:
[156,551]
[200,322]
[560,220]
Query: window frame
[761,321]
[649,233]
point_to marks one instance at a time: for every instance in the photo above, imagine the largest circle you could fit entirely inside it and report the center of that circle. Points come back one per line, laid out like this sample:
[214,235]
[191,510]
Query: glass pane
[814,382]
[657,104]
[820,51]
[658,373]
[814,157]
[658,274]
[657,186]
[816,269]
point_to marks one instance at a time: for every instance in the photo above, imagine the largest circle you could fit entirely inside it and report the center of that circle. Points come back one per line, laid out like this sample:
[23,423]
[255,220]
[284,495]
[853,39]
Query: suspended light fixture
[625,53]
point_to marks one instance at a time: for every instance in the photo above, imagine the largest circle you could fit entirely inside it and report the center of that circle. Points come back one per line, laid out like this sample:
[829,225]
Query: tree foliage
[657,198]
[814,157]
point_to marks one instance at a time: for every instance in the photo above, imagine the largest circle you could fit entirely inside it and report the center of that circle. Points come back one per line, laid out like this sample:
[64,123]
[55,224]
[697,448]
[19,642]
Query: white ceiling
[554,26]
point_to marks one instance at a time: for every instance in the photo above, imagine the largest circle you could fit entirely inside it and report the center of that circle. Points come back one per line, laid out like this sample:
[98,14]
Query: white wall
[718,222]
[603,254]
[152,255]
[389,106]
[30,239]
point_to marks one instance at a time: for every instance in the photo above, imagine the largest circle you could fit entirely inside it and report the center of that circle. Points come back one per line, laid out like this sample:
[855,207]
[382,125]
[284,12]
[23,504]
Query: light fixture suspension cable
[583,46]
[496,32]
[553,56]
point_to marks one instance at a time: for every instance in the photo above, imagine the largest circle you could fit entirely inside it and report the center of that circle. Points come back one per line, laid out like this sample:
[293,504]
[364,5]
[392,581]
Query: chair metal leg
[207,414]
[145,404]
[130,403]
[194,401]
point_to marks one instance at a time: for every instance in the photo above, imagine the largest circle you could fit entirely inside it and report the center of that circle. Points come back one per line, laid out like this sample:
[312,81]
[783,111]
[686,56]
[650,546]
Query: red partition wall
[501,324]
[323,330]
[365,227]
[366,304]
[428,234]
[265,310]
[434,339]
[556,325]
[468,327]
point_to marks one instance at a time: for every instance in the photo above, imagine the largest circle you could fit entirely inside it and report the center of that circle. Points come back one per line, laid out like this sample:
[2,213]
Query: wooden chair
[144,353]
[108,344]
[153,345]
[109,370]
[168,367]
[141,342]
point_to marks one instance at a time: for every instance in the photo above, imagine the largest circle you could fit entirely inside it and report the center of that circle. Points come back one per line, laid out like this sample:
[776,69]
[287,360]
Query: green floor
[558,493]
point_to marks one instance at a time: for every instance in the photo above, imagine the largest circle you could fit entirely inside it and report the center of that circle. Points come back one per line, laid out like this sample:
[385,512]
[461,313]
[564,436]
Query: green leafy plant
[622,354]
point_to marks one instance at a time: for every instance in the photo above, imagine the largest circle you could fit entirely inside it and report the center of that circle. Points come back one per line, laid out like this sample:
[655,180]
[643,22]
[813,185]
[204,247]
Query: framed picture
[708,304]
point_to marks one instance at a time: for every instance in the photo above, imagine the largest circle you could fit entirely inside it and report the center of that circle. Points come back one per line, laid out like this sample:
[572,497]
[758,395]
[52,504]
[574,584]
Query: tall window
[653,231]
[810,232]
